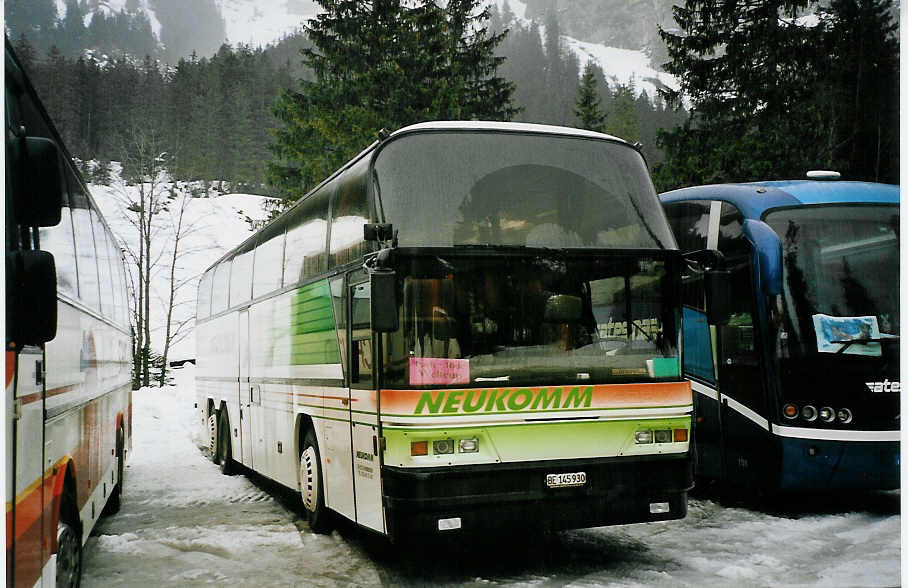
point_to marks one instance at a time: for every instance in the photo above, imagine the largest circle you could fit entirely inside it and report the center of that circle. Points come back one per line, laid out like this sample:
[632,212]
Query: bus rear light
[680,435]
[469,445]
[790,411]
[844,415]
[442,446]
[827,414]
[419,448]
[643,437]
[809,413]
[663,436]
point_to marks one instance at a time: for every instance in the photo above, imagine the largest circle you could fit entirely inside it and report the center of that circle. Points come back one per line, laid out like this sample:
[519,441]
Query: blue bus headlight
[809,413]
[827,414]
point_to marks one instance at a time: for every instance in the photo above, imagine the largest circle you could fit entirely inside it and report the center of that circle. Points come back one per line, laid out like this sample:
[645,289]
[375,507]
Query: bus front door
[245,393]
[364,432]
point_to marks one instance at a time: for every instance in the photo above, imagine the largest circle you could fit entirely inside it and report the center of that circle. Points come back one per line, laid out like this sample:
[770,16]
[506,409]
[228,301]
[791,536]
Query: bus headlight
[809,413]
[844,415]
[827,415]
[790,411]
[443,446]
[663,436]
[469,445]
[642,437]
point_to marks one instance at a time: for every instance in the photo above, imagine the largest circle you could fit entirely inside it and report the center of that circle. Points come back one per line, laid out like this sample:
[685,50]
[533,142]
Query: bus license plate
[565,480]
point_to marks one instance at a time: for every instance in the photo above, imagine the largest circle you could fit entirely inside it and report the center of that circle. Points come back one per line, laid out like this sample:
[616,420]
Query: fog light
[844,415]
[443,446]
[809,413]
[680,435]
[790,411]
[469,445]
[641,437]
[827,415]
[659,507]
[663,436]
[419,448]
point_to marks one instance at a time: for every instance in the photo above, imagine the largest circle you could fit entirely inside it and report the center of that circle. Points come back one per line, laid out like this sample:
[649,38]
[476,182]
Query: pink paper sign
[436,371]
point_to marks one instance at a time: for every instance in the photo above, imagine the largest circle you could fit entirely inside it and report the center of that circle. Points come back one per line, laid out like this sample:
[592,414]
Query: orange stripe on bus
[10,367]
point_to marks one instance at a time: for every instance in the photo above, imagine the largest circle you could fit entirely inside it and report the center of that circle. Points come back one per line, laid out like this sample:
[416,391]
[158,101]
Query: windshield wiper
[846,343]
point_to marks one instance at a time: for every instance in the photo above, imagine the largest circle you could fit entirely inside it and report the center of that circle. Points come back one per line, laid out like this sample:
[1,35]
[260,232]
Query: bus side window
[104,275]
[241,277]
[361,336]
[307,238]
[58,240]
[89,290]
[269,261]
[349,212]
[690,223]
[739,360]
[203,308]
[220,287]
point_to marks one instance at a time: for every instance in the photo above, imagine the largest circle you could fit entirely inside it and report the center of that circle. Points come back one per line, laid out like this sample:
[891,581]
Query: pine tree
[386,64]
[587,110]
[622,116]
[773,98]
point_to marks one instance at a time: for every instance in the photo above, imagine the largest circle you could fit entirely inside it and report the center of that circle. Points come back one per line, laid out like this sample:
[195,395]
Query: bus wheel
[113,504]
[312,486]
[213,437]
[69,556]
[225,454]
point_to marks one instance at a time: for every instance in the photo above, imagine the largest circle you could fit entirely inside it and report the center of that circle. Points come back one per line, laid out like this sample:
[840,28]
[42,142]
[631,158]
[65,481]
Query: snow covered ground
[184,524]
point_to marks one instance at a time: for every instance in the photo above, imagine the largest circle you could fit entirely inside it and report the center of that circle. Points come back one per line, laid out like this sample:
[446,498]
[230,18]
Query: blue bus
[798,387]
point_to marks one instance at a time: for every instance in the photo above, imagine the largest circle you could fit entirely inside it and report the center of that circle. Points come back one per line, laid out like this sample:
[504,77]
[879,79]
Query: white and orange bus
[68,351]
[470,325]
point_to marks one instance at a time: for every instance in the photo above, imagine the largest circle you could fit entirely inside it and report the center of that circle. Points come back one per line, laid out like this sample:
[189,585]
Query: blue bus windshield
[840,278]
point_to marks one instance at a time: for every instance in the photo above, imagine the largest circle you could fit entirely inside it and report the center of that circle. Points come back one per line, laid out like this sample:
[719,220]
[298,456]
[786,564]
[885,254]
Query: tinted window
[104,275]
[203,308]
[307,237]
[731,231]
[690,223]
[241,278]
[59,241]
[220,287]
[478,188]
[269,260]
[349,212]
[89,291]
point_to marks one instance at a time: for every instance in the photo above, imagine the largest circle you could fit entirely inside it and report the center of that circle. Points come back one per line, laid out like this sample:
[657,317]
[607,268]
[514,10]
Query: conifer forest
[765,90]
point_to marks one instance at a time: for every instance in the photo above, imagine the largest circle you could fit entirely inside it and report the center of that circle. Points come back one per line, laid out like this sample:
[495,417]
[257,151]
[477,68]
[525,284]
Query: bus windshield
[841,279]
[528,190]
[481,319]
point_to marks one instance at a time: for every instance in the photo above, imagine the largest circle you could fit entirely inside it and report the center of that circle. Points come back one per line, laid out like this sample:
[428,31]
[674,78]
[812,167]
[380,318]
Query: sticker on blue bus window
[854,335]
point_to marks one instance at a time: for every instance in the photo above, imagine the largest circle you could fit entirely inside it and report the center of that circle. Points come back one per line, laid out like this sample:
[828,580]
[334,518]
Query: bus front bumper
[481,498]
[817,464]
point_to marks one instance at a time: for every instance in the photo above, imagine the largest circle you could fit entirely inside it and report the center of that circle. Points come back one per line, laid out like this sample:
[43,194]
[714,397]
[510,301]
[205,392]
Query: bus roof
[479,125]
[754,199]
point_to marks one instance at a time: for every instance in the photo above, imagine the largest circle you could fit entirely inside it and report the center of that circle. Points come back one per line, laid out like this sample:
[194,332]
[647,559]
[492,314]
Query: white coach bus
[68,351]
[469,325]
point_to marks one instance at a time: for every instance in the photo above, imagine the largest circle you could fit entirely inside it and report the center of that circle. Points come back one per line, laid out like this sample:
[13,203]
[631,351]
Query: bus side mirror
[40,197]
[384,301]
[718,296]
[31,297]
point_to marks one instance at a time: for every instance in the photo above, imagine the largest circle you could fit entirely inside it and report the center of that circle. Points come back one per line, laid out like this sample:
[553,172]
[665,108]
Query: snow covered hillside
[260,23]
[211,226]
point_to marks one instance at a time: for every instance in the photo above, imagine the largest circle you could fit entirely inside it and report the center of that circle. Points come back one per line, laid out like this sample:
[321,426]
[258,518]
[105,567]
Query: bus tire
[312,485]
[213,437]
[69,542]
[225,453]
[113,503]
